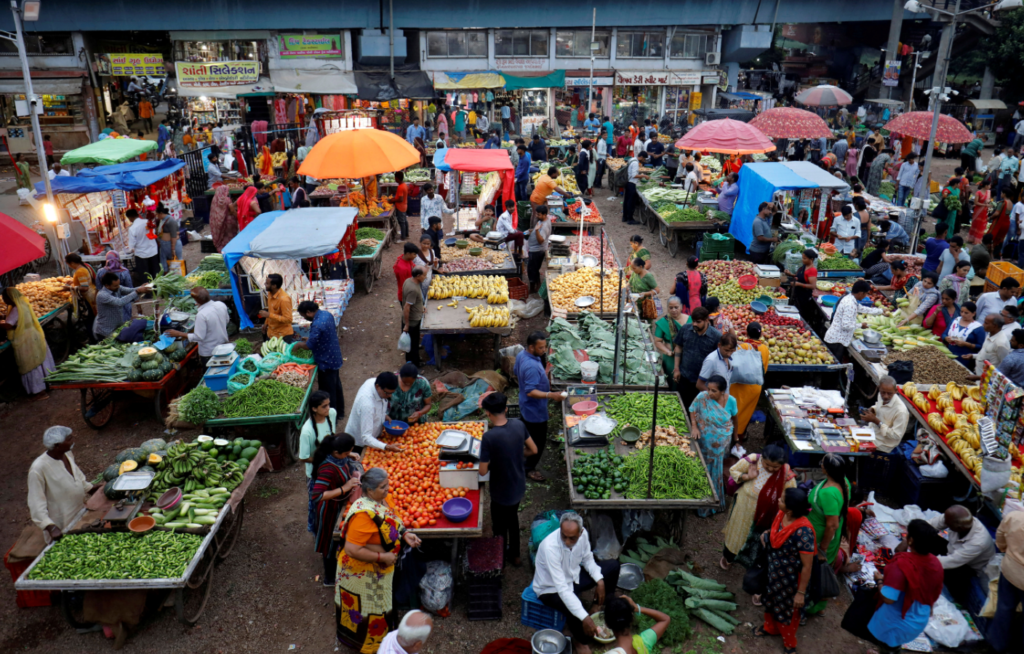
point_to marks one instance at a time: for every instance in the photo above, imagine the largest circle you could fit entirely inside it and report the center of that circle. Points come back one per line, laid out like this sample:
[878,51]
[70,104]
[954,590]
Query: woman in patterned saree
[373,536]
[335,475]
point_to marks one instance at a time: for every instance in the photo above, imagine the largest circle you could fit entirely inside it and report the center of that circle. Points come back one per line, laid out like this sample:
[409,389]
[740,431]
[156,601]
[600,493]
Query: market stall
[465,167]
[622,351]
[369,253]
[464,257]
[123,541]
[108,151]
[465,305]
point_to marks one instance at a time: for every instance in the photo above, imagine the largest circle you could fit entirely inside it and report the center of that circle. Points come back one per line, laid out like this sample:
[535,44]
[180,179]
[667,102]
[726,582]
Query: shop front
[212,91]
[536,97]
[475,91]
[639,95]
[62,115]
[577,96]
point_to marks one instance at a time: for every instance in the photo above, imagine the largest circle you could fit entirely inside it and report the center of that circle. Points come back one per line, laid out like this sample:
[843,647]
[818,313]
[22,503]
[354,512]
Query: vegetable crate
[536,615]
[1000,270]
[485,599]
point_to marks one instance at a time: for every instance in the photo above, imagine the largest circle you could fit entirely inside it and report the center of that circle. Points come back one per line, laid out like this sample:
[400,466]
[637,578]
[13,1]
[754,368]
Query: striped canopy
[824,95]
[790,123]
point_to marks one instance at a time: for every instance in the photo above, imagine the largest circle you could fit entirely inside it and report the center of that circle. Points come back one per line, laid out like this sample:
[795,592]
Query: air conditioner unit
[712,59]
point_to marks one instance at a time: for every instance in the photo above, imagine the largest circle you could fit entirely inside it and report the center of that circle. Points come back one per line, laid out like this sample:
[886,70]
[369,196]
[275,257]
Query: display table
[455,322]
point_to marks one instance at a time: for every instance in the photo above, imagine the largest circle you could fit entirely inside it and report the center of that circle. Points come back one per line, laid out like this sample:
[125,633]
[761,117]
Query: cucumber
[194,525]
[203,506]
[205,520]
[205,511]
[174,525]
[160,519]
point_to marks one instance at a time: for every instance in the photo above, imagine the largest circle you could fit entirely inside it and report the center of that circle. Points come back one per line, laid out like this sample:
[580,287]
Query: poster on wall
[298,46]
[220,73]
[891,77]
[132,64]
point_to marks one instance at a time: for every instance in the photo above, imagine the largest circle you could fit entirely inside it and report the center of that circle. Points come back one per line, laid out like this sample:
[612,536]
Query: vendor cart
[368,267]
[672,235]
[98,398]
[455,322]
[57,327]
[190,591]
[292,422]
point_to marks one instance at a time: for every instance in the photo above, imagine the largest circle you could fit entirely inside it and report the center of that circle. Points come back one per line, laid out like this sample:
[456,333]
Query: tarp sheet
[452,81]
[295,234]
[758,183]
[553,80]
[408,84]
[813,173]
[439,163]
[108,151]
[125,177]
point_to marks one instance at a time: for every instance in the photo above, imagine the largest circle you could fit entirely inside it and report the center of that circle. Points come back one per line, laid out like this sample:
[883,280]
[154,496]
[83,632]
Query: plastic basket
[513,411]
[747,282]
[1000,270]
[25,599]
[517,290]
[485,599]
[538,616]
[207,247]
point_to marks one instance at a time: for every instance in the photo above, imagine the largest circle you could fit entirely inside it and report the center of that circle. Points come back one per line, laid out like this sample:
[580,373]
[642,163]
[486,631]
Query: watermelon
[111,494]
[152,375]
[147,469]
[239,441]
[249,453]
[153,445]
[123,456]
[256,444]
[111,472]
[139,455]
[135,375]
[137,362]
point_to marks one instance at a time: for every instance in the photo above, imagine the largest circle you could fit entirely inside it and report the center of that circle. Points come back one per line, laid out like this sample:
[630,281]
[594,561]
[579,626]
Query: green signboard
[297,46]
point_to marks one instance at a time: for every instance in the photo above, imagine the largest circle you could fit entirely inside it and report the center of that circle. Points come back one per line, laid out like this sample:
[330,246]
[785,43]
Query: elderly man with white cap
[411,636]
[57,487]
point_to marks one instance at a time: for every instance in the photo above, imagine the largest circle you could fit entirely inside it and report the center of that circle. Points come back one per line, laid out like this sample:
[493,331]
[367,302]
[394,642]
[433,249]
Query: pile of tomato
[413,475]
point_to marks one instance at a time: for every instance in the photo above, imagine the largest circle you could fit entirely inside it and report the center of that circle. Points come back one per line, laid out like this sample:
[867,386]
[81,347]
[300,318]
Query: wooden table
[455,322]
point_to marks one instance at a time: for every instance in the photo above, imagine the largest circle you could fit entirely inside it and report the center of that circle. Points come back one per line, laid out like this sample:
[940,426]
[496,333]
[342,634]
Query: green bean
[677,475]
[266,397]
[118,555]
[636,409]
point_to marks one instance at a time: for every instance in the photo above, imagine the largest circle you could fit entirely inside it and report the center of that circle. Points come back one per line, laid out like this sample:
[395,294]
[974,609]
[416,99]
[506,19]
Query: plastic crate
[485,599]
[538,616]
[1000,270]
[26,599]
[517,290]
[513,411]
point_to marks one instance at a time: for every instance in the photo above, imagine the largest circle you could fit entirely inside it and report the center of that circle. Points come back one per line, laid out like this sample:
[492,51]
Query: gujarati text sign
[296,46]
[217,73]
[129,64]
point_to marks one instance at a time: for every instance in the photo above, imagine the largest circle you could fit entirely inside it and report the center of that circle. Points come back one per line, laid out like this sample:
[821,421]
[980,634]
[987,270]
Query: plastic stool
[537,615]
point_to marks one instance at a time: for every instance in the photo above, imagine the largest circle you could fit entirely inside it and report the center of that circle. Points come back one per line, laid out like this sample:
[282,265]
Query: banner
[131,64]
[658,78]
[297,46]
[218,73]
[891,77]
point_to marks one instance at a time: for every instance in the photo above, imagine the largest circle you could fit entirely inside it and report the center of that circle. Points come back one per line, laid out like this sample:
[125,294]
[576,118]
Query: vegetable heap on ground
[264,398]
[706,599]
[597,337]
[118,555]
[413,475]
[657,594]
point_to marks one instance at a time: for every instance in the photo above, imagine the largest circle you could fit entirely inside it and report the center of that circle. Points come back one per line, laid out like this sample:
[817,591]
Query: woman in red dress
[1000,225]
[980,220]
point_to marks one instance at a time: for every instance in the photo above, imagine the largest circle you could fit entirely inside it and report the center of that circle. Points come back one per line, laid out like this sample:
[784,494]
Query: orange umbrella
[358,153]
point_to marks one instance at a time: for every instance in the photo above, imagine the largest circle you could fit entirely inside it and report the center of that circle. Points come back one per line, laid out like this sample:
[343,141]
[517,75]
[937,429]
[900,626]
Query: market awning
[295,234]
[325,81]
[120,177]
[59,86]
[408,85]
[454,81]
[18,244]
[813,173]
[480,161]
[262,86]
[987,104]
[886,102]
[738,96]
[736,114]
[108,151]
[758,183]
[552,80]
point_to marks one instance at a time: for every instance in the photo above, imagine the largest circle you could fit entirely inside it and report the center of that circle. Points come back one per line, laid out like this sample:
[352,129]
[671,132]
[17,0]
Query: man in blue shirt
[323,343]
[494,142]
[538,149]
[1012,364]
[591,123]
[523,174]
[161,138]
[534,394]
[415,131]
[506,121]
[934,247]
[609,129]
[894,233]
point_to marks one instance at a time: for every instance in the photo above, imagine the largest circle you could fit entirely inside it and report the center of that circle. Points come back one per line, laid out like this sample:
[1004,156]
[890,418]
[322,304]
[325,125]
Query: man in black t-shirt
[656,149]
[503,451]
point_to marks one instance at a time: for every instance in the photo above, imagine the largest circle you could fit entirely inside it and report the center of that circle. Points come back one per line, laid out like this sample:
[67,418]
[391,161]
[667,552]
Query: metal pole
[590,86]
[654,439]
[913,81]
[391,34]
[895,25]
[602,267]
[948,34]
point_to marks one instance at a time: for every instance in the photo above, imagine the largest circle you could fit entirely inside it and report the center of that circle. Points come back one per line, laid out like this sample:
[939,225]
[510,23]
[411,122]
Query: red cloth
[485,161]
[48,148]
[402,197]
[854,518]
[244,204]
[403,271]
[788,631]
[923,573]
[240,161]
[779,534]
[768,500]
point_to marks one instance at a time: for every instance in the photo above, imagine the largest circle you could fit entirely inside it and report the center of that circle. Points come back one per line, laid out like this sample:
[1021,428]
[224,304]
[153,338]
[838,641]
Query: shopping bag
[747,367]
[824,584]
[404,342]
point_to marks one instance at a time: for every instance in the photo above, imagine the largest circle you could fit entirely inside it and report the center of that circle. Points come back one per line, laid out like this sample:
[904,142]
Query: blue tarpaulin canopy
[123,177]
[295,234]
[758,183]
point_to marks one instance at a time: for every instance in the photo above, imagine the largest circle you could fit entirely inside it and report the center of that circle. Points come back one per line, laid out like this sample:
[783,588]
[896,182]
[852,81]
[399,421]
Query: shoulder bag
[747,367]
[731,485]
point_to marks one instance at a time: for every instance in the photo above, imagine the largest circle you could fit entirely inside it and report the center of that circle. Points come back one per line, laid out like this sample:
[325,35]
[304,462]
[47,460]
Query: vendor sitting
[110,301]
[366,420]
[559,579]
[970,549]
[889,416]
[411,400]
[484,224]
[57,487]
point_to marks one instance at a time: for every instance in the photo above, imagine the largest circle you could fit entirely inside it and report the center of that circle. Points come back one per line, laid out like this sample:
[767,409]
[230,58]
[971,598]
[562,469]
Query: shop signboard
[585,81]
[892,72]
[657,78]
[298,46]
[218,73]
[714,78]
[132,64]
[522,64]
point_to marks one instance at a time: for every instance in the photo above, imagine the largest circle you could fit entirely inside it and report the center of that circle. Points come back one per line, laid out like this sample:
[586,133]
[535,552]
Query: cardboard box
[451,477]
[770,282]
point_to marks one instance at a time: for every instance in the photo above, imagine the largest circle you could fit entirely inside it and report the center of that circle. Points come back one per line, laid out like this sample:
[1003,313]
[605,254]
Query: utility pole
[590,86]
[941,68]
[895,25]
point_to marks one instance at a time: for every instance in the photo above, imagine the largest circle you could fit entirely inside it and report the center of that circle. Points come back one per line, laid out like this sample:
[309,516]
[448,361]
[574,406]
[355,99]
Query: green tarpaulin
[554,80]
[108,151]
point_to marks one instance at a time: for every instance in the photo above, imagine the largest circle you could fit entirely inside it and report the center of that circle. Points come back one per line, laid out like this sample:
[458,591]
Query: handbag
[731,485]
[648,310]
[824,584]
[747,367]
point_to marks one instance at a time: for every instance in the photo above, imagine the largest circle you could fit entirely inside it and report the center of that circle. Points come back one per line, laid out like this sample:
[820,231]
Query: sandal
[536,476]
[758,631]
[756,600]
[723,564]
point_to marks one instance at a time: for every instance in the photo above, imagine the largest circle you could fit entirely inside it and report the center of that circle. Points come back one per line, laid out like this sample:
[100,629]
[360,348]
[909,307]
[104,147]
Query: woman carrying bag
[749,364]
[757,481]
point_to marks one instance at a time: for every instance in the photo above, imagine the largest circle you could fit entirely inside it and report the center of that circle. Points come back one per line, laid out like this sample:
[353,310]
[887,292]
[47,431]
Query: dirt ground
[266,596]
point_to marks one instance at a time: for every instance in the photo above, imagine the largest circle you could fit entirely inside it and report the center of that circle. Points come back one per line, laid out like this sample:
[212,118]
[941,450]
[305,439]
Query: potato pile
[44,296]
[566,289]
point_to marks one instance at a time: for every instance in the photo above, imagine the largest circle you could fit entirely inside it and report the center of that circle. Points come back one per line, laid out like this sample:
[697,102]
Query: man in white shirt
[565,567]
[432,205]
[906,179]
[690,185]
[57,170]
[633,178]
[889,416]
[145,249]
[994,301]
[996,345]
[211,328]
[411,635]
[847,230]
[970,549]
[1017,213]
[640,144]
[54,496]
[844,320]
[601,149]
[370,409]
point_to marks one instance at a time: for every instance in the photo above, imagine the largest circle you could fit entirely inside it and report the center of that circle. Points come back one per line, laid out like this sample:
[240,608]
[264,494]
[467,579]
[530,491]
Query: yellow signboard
[131,64]
[217,73]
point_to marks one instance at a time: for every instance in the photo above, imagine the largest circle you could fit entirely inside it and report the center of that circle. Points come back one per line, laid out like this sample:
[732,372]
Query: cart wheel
[71,609]
[368,277]
[229,530]
[189,601]
[201,571]
[97,407]
[651,220]
[663,234]
[377,266]
[673,244]
[291,441]
[58,337]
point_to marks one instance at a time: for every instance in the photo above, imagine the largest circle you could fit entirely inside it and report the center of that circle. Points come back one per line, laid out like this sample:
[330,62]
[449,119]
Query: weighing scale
[223,356]
[493,240]
[457,445]
[580,436]
[136,485]
[767,272]
[871,352]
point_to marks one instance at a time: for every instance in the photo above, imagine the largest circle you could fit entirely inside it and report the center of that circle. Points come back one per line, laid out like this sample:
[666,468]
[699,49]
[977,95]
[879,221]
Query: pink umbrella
[918,124]
[790,123]
[726,136]
[824,95]
[18,244]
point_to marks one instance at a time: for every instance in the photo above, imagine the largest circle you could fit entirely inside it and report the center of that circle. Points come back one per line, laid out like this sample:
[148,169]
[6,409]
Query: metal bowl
[871,337]
[556,238]
[585,301]
[598,619]
[588,261]
[630,576]
[548,641]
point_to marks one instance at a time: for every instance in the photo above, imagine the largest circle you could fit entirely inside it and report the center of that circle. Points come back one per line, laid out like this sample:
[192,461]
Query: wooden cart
[455,322]
[672,235]
[368,268]
[98,398]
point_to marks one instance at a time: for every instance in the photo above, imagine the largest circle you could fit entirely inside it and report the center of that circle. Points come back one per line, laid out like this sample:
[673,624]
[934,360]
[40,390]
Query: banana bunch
[949,417]
[485,316]
[975,393]
[955,390]
[190,468]
[921,402]
[937,424]
[973,417]
[934,392]
[910,389]
[183,458]
[945,402]
[492,287]
[970,406]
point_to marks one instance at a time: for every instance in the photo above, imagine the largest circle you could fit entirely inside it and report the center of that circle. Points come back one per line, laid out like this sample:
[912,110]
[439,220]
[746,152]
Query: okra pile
[118,555]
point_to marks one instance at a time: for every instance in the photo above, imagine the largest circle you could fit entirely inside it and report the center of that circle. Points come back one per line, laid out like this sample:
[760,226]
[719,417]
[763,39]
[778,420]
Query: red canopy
[791,123]
[726,136]
[470,160]
[18,244]
[919,125]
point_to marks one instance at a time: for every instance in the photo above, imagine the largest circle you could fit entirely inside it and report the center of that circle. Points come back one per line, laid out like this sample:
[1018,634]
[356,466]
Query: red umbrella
[790,123]
[824,95]
[918,124]
[18,244]
[726,136]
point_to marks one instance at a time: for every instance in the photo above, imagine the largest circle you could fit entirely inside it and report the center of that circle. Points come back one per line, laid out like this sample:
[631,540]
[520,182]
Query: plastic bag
[301,355]
[404,342]
[240,381]
[528,309]
[606,545]
[995,473]
[270,362]
[540,528]
[512,350]
[436,586]
[251,364]
[936,470]
[634,520]
[947,625]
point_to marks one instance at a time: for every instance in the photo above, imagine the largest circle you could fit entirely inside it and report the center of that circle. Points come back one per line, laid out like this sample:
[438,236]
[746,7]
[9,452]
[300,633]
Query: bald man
[411,635]
[970,549]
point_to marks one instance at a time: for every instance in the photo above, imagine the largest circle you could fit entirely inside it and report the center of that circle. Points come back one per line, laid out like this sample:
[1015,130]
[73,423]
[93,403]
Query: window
[521,43]
[640,44]
[576,43]
[691,46]
[206,51]
[52,43]
[457,43]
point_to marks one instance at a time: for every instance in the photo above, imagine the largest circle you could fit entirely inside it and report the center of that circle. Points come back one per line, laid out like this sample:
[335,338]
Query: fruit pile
[277,159]
[566,289]
[913,263]
[792,346]
[592,216]
[367,207]
[413,478]
[43,296]
[743,315]
[491,287]
[729,292]
[204,463]
[483,315]
[957,426]
[903,337]
[592,246]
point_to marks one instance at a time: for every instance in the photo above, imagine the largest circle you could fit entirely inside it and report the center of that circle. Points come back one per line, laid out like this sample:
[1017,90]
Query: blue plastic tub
[457,509]
[395,427]
[829,300]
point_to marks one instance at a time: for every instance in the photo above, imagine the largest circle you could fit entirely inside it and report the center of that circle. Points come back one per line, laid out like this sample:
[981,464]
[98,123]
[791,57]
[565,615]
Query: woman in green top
[618,616]
[830,500]
[21,172]
[645,285]
[665,330]
[639,251]
[411,400]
